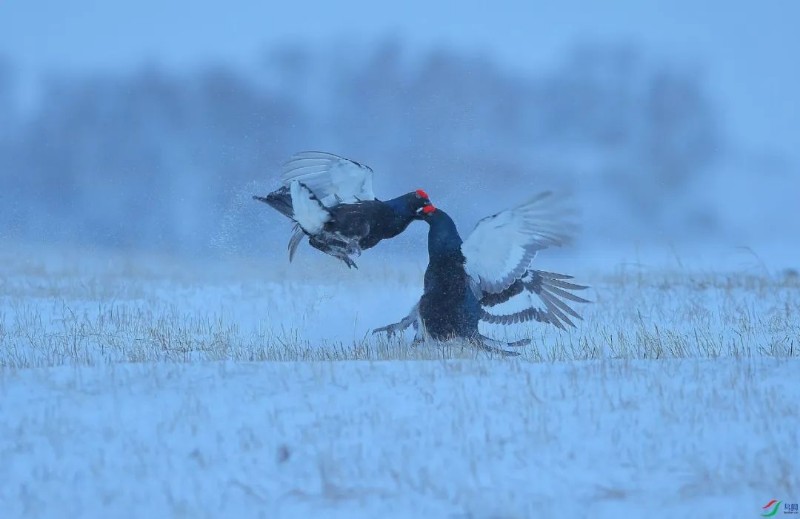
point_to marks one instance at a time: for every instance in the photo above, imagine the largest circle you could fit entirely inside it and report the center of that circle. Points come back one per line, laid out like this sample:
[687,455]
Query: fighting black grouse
[330,199]
[464,278]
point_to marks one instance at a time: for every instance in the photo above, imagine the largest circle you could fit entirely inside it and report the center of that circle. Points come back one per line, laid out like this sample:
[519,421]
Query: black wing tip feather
[322,155]
[552,290]
[536,283]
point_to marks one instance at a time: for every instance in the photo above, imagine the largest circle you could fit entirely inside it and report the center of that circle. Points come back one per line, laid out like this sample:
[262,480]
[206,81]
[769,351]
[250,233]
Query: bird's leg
[492,349]
[392,329]
[349,262]
[404,323]
[494,346]
[500,344]
[337,253]
[351,245]
[334,247]
[343,253]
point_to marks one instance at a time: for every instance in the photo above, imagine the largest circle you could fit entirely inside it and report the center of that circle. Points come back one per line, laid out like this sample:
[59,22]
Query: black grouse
[331,201]
[463,278]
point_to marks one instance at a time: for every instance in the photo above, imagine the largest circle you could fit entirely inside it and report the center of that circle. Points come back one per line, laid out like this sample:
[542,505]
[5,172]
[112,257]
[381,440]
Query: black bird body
[448,308]
[354,227]
[371,221]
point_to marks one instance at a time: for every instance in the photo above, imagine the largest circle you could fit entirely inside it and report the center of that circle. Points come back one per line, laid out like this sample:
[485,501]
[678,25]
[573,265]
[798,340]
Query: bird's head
[420,204]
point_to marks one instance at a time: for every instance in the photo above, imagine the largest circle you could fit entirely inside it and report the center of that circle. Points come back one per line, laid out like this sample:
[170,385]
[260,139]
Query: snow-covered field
[144,387]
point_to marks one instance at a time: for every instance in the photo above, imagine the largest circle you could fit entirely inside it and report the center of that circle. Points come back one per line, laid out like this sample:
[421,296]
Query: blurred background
[147,125]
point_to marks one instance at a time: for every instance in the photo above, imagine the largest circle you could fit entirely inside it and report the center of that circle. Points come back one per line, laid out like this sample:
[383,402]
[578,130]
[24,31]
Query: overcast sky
[749,49]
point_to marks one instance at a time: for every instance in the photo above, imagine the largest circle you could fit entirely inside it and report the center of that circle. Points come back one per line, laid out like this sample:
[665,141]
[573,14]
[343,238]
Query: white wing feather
[501,247]
[331,178]
[308,211]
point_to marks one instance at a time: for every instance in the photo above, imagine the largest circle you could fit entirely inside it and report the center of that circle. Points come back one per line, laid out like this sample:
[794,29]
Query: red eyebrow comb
[422,193]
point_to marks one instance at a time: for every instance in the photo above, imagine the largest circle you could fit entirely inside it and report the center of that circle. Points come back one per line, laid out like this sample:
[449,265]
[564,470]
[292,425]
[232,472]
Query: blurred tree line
[157,158]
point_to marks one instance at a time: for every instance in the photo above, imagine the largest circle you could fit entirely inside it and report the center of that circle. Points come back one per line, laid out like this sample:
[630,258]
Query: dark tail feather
[280,200]
[294,241]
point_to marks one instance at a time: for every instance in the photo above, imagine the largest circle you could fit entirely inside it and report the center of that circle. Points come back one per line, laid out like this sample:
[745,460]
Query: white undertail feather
[331,178]
[501,247]
[309,212]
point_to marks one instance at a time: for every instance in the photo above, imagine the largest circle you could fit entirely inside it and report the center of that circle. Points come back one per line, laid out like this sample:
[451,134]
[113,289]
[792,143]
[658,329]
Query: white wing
[501,247]
[331,178]
[309,212]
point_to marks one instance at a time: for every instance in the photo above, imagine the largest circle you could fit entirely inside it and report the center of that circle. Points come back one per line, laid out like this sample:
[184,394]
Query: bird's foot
[390,329]
[500,351]
[518,344]
[353,248]
[347,260]
[495,346]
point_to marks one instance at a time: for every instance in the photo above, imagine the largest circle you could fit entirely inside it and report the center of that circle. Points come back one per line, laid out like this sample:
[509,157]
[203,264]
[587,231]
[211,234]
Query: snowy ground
[133,387]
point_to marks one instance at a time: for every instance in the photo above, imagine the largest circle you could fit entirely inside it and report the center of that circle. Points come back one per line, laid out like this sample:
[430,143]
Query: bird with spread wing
[331,201]
[492,265]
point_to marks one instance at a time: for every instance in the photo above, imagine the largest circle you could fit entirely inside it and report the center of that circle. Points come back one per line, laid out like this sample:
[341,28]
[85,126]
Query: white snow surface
[449,438]
[145,388]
